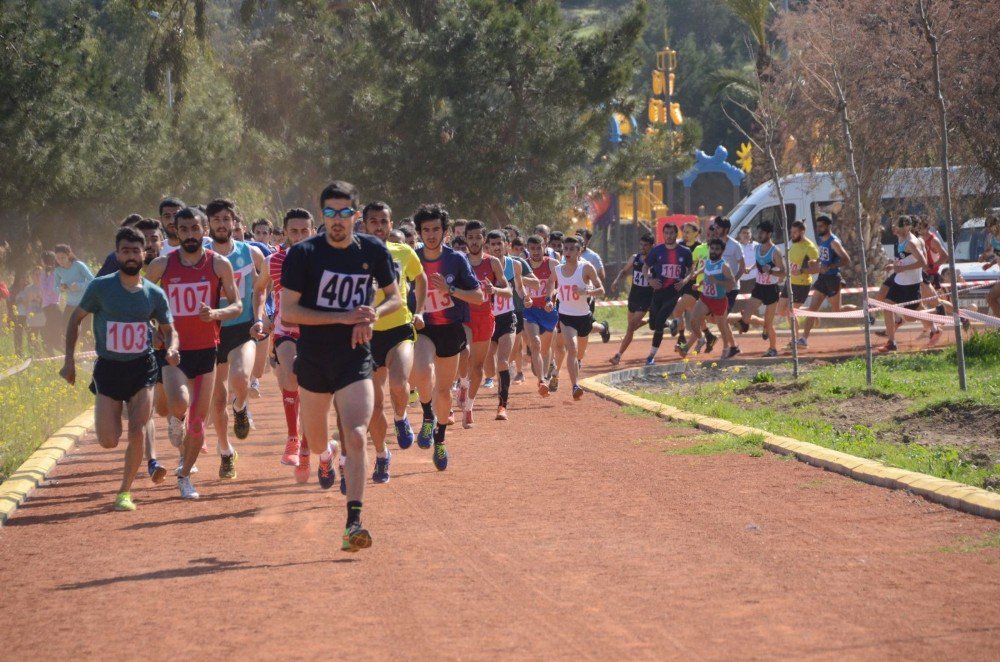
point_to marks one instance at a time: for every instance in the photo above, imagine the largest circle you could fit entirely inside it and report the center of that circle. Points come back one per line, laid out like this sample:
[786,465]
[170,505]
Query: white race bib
[339,291]
[186,298]
[437,301]
[502,305]
[566,293]
[127,337]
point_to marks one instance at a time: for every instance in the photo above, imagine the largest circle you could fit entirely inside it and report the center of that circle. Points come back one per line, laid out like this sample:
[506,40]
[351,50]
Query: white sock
[327,454]
[384,454]
[469,404]
[464,382]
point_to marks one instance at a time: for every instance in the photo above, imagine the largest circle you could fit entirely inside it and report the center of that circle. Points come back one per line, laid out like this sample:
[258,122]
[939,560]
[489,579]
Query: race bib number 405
[127,337]
[186,298]
[343,291]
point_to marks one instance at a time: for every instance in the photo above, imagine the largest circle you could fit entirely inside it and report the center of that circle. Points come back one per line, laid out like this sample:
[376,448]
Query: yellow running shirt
[799,252]
[408,267]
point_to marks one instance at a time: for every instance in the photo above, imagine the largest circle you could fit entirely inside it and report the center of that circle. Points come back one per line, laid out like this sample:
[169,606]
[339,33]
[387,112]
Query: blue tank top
[996,245]
[245,274]
[714,285]
[508,269]
[764,264]
[827,256]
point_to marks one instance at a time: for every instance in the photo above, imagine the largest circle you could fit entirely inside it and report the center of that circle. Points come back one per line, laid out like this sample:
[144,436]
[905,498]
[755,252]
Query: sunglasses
[346,212]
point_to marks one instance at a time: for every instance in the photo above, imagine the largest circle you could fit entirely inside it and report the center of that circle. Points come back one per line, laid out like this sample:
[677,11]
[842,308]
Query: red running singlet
[187,288]
[484,274]
[542,273]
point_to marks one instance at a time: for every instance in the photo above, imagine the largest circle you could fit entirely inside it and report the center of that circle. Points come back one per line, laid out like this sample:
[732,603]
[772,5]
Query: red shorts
[717,307]
[481,326]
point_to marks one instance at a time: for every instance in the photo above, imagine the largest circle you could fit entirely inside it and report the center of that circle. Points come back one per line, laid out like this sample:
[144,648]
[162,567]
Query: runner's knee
[196,426]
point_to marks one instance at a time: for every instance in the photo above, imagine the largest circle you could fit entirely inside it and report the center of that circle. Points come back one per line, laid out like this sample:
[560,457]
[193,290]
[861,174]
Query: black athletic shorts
[323,369]
[519,321]
[691,290]
[383,342]
[746,286]
[799,293]
[934,280]
[231,337]
[639,299]
[280,340]
[731,297]
[121,380]
[904,293]
[196,362]
[504,324]
[828,284]
[161,360]
[889,281]
[583,324]
[661,306]
[448,339]
[766,294]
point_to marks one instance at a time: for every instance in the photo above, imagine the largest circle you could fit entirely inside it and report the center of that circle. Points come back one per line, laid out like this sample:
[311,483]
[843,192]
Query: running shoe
[440,456]
[770,353]
[290,458]
[802,342]
[356,538]
[241,422]
[404,434]
[227,466]
[426,435]
[935,336]
[123,502]
[186,488]
[157,472]
[577,392]
[381,473]
[255,388]
[177,471]
[650,360]
[682,347]
[698,345]
[554,384]
[467,421]
[463,393]
[543,389]
[743,326]
[710,343]
[501,413]
[519,377]
[616,359]
[888,347]
[605,332]
[175,431]
[326,473]
[302,469]
[673,326]
[763,334]
[871,320]
[733,351]
[489,383]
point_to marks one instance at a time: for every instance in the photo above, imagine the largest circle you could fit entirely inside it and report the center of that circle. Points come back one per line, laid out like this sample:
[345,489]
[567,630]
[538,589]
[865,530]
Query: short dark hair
[647,239]
[572,240]
[799,224]
[585,233]
[296,212]
[517,241]
[474,225]
[458,241]
[130,220]
[221,204]
[460,221]
[556,235]
[378,205]
[825,218]
[429,212]
[339,190]
[261,221]
[718,243]
[130,235]
[496,234]
[405,231]
[65,248]
[903,221]
[724,223]
[171,202]
[149,224]
[192,212]
[692,226]
[671,226]
[534,239]
[766,226]
[512,230]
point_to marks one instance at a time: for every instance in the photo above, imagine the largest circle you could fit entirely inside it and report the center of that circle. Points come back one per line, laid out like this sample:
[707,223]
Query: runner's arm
[68,371]
[730,281]
[171,343]
[778,270]
[259,291]
[839,249]
[942,251]
[503,288]
[294,313]
[590,276]
[519,280]
[625,269]
[224,270]
[392,301]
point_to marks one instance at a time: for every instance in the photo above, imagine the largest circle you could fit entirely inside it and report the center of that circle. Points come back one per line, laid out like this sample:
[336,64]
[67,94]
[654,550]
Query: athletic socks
[504,386]
[681,337]
[469,403]
[464,383]
[326,455]
[428,410]
[290,400]
[708,335]
[439,433]
[353,512]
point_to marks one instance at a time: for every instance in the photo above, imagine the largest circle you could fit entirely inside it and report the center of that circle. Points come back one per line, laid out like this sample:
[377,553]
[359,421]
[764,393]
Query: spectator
[50,301]
[72,277]
[29,305]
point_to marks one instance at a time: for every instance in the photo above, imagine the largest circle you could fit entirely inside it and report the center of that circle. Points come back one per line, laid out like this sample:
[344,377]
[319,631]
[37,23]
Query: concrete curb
[973,500]
[16,489]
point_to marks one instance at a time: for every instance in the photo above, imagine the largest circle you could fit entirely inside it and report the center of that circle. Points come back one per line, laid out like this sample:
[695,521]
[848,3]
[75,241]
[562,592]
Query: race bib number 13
[437,300]
[127,337]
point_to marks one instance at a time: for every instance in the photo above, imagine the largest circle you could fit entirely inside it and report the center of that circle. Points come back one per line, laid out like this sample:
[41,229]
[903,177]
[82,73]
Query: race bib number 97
[186,298]
[342,291]
[127,337]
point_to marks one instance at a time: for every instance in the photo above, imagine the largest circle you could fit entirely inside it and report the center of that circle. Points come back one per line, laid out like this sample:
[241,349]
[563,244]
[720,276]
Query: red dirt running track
[565,532]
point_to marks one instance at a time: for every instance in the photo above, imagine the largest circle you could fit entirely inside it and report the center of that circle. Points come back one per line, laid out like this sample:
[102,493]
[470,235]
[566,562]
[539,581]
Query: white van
[909,191]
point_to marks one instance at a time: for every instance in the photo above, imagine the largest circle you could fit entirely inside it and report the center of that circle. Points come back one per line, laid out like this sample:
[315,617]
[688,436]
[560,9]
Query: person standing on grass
[123,304]
[53,326]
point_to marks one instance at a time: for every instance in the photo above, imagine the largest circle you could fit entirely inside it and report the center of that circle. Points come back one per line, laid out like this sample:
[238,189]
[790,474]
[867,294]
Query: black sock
[428,410]
[680,337]
[708,335]
[657,337]
[504,386]
[353,512]
[439,433]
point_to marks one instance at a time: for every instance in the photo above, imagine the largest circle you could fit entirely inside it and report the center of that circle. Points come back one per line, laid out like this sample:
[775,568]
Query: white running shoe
[254,388]
[177,471]
[175,431]
[186,488]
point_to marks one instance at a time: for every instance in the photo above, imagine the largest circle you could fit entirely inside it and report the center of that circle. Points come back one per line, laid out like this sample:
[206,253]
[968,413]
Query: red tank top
[187,288]
[276,263]
[542,273]
[484,274]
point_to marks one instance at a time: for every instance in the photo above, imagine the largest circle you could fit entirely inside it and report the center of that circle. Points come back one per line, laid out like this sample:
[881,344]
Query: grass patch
[909,385]
[717,444]
[633,410]
[969,544]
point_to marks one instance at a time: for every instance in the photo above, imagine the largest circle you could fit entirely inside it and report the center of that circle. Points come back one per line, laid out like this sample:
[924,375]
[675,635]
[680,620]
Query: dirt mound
[969,426]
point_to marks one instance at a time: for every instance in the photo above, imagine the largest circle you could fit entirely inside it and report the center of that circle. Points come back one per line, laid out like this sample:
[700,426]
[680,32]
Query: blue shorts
[545,321]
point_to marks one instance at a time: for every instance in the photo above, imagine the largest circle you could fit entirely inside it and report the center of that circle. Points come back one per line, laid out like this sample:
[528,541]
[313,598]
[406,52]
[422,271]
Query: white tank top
[905,257]
[569,303]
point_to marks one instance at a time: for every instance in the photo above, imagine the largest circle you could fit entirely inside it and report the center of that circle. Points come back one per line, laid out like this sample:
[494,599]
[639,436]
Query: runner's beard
[222,235]
[190,245]
[130,268]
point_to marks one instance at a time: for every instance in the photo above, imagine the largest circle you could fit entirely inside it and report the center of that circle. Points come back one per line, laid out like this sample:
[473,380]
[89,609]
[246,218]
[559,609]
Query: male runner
[691,290]
[906,270]
[770,269]
[576,280]
[505,317]
[713,302]
[585,235]
[479,330]
[193,278]
[263,231]
[802,255]
[123,304]
[297,226]
[540,317]
[666,265]
[238,336]
[169,207]
[451,288]
[937,255]
[828,281]
[640,295]
[328,284]
[392,340]
[991,257]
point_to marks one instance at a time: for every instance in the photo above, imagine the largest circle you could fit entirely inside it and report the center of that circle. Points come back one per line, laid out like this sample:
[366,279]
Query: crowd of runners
[189,312]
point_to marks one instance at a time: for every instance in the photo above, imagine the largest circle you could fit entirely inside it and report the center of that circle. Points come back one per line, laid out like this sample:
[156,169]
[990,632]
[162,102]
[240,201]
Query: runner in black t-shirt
[328,286]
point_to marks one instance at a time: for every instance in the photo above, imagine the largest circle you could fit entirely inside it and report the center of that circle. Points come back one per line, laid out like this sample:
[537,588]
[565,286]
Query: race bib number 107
[186,298]
[342,291]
